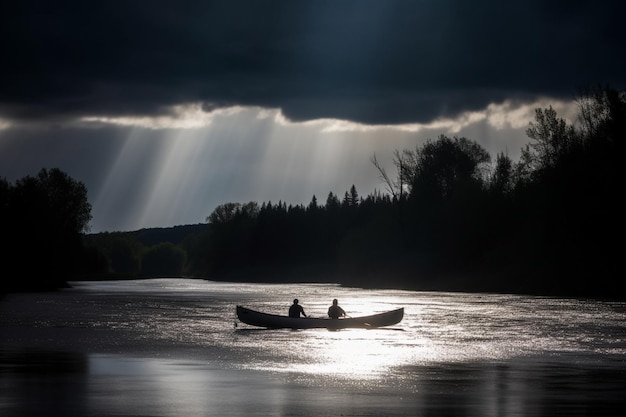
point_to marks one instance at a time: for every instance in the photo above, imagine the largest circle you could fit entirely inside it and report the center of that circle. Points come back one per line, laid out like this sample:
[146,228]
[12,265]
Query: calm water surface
[170,347]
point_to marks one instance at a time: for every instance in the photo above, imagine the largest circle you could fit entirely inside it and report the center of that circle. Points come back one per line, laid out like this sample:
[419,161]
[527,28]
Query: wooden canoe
[274,321]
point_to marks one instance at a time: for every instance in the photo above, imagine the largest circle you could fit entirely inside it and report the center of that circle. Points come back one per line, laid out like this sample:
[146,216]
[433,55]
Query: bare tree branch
[391,186]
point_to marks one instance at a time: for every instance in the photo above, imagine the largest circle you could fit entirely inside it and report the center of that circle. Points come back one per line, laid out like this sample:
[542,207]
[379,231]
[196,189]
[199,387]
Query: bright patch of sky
[509,114]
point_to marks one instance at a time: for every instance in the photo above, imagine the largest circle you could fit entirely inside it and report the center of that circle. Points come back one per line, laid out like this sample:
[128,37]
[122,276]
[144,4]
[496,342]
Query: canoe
[274,321]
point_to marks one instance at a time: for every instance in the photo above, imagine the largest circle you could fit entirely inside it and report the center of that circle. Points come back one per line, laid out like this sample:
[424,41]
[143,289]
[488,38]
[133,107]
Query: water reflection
[360,354]
[65,384]
[169,347]
[38,383]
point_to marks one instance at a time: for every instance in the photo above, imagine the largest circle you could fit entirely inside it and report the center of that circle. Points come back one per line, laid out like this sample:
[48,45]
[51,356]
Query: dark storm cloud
[381,61]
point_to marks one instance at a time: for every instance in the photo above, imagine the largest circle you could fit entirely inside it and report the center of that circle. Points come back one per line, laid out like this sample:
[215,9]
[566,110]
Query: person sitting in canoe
[296,309]
[334,311]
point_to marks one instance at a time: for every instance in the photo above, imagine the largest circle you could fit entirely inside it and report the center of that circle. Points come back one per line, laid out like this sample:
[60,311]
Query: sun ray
[122,190]
[176,169]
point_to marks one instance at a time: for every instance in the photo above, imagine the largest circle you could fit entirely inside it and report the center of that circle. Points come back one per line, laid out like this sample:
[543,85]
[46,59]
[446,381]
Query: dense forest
[451,218]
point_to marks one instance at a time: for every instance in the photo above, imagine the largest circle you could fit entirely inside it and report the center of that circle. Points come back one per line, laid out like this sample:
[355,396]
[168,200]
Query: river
[174,347]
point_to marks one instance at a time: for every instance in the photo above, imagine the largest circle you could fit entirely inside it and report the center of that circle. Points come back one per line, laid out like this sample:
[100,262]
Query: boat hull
[274,321]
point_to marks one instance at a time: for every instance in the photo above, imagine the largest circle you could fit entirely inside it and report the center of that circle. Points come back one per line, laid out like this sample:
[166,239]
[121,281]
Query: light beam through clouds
[175,169]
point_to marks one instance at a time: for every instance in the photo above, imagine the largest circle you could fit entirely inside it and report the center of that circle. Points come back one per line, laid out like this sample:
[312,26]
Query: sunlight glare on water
[437,327]
[175,347]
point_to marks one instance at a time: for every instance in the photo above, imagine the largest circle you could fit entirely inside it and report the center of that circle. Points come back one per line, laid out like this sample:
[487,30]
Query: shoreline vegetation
[452,218]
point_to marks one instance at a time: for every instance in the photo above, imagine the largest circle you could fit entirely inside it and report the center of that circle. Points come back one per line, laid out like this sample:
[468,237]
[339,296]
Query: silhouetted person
[296,309]
[334,311]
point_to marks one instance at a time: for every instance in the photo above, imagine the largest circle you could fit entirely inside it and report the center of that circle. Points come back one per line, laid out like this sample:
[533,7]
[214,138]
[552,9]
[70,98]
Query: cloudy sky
[165,109]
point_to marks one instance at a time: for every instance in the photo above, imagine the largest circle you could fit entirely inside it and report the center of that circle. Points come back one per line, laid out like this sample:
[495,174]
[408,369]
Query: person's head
[295,301]
[335,302]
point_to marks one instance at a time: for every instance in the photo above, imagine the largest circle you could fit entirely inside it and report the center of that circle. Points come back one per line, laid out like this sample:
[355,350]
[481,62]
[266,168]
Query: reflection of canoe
[273,321]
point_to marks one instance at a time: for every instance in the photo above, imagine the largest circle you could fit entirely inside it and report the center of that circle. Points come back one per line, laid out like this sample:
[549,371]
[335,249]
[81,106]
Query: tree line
[451,218]
[160,252]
